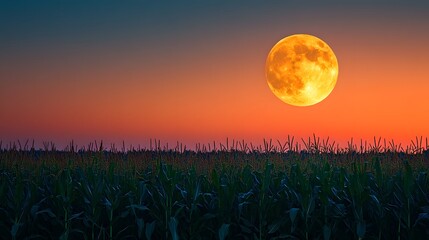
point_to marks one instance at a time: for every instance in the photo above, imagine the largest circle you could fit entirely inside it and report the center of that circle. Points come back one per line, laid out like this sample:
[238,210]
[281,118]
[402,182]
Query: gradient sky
[193,71]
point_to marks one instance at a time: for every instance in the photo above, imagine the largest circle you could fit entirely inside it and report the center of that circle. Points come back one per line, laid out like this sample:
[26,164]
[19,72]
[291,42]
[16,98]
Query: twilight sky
[193,71]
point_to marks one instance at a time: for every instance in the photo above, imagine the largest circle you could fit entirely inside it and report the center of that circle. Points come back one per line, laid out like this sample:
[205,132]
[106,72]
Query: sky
[194,71]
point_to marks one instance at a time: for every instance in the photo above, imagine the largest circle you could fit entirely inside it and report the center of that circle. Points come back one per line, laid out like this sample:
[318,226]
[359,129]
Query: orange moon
[301,70]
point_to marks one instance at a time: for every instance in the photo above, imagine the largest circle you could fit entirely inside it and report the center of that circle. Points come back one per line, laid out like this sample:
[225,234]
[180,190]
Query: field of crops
[225,193]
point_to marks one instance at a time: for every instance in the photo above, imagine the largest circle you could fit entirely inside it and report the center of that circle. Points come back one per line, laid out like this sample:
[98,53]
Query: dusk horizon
[194,72]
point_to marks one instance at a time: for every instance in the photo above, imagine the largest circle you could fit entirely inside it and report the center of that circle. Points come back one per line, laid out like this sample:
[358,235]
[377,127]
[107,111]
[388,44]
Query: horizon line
[312,144]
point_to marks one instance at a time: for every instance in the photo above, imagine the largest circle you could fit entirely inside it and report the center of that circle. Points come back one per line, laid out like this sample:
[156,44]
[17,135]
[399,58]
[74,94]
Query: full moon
[301,70]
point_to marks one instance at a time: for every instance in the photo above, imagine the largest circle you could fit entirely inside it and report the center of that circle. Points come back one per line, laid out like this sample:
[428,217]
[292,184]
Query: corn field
[264,192]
